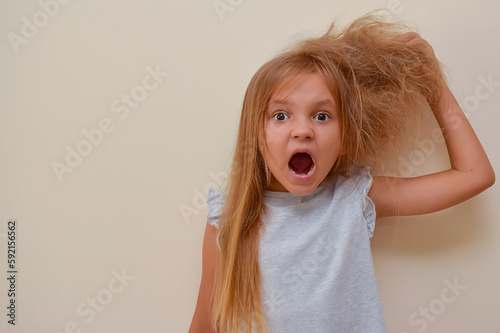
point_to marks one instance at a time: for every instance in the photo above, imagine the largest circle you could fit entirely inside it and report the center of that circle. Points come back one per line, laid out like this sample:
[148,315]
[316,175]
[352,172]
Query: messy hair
[379,84]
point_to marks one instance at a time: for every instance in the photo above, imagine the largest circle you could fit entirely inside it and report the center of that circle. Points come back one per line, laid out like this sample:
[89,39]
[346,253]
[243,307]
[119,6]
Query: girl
[288,248]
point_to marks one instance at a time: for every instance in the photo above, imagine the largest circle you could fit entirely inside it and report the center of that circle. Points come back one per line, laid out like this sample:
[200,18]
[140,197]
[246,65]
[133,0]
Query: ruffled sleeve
[364,181]
[215,202]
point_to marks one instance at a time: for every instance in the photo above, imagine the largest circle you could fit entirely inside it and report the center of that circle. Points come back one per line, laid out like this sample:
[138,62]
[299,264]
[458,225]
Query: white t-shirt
[315,259]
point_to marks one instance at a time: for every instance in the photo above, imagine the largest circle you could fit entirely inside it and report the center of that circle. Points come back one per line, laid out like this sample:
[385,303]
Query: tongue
[301,163]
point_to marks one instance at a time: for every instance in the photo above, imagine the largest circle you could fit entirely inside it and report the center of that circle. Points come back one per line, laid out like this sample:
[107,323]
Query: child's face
[301,118]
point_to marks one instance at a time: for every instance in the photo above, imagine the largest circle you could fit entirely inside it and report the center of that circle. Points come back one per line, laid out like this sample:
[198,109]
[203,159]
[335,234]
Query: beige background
[120,209]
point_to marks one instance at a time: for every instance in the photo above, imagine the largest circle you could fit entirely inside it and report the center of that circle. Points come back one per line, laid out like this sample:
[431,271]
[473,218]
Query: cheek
[331,142]
[275,148]
[273,138]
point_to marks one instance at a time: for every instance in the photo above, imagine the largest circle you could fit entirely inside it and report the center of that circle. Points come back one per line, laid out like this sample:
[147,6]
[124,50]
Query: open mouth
[301,164]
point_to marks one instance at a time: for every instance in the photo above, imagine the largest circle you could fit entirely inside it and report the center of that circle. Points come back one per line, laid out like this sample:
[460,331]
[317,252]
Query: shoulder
[354,189]
[358,179]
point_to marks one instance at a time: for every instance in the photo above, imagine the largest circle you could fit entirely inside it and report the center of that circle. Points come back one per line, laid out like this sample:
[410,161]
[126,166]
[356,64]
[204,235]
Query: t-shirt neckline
[289,198]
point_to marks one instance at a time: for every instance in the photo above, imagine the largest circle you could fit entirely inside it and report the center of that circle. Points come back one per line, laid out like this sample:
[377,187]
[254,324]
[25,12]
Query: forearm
[465,151]
[470,173]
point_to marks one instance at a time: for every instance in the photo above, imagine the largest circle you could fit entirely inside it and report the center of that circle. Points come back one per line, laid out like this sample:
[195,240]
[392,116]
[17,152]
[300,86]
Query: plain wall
[133,204]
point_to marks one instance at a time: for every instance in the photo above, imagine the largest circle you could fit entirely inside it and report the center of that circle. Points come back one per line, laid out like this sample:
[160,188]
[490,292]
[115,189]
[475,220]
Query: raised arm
[470,173]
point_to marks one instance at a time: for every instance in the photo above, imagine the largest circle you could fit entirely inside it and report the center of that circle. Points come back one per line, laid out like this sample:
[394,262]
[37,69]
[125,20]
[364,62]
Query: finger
[407,36]
[417,42]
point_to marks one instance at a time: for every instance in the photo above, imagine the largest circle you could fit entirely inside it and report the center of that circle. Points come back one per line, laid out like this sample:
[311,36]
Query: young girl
[288,248]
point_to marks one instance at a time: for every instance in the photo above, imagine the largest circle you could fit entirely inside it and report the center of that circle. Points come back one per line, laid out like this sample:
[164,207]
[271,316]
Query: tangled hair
[379,84]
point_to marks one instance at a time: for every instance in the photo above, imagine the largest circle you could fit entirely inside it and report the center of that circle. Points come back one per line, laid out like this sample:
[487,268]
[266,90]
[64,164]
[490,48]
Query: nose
[302,129]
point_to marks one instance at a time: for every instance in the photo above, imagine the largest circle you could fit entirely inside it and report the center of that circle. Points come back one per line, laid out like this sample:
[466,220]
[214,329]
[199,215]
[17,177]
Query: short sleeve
[364,181]
[215,203]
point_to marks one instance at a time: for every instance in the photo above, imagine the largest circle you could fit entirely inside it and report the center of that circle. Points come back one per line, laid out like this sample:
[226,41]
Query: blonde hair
[378,83]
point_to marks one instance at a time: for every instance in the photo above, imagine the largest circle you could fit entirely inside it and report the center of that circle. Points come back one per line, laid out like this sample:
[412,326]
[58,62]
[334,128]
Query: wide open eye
[280,116]
[322,117]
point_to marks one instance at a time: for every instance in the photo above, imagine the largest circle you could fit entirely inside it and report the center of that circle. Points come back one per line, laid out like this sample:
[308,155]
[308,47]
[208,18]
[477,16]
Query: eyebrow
[325,102]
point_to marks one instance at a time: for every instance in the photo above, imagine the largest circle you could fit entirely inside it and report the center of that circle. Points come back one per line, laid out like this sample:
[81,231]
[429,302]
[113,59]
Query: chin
[302,190]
